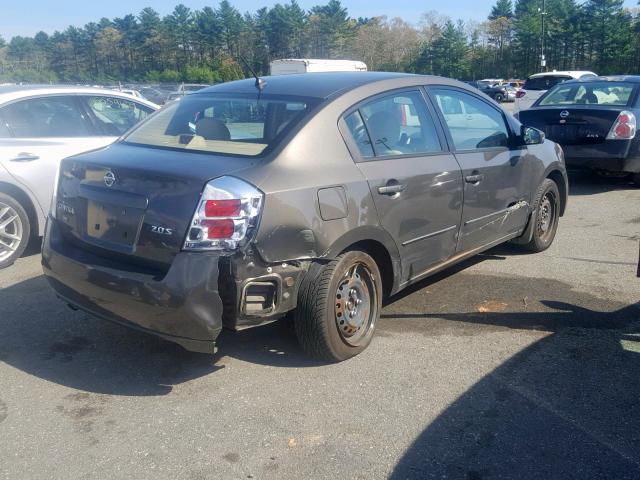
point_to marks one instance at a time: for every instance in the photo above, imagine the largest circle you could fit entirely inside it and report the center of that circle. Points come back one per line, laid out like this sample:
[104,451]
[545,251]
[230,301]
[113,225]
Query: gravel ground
[508,366]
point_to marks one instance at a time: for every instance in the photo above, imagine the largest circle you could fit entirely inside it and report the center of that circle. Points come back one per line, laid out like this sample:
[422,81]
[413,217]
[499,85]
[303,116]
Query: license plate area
[572,134]
[113,224]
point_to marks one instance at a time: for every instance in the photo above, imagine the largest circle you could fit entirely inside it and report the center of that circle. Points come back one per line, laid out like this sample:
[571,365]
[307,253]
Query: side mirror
[532,136]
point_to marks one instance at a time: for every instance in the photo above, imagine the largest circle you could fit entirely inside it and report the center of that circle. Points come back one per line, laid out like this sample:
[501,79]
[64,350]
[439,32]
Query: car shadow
[565,407]
[41,336]
[587,182]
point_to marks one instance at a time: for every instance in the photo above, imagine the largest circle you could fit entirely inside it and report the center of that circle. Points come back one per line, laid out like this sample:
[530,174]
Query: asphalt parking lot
[508,366]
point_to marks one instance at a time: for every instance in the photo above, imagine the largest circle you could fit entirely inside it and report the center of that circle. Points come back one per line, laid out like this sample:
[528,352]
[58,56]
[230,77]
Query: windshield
[235,125]
[592,93]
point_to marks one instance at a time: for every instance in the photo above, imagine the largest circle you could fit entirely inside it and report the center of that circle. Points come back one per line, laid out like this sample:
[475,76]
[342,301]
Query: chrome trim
[458,258]
[429,235]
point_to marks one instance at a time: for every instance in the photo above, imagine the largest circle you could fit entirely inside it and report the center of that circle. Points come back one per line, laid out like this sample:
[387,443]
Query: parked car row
[311,196]
[499,92]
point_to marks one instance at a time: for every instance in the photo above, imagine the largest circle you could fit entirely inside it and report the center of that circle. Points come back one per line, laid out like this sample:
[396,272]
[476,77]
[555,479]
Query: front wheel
[499,98]
[338,306]
[545,216]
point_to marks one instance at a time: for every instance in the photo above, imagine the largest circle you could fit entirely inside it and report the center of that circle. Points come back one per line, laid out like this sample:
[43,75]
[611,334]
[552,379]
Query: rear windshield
[545,83]
[592,93]
[235,125]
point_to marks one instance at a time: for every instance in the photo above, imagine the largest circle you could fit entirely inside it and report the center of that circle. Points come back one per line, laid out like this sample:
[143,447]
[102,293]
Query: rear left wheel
[499,98]
[14,230]
[338,307]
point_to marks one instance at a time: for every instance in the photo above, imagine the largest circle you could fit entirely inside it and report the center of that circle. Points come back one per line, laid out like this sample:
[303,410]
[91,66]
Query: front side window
[590,93]
[116,115]
[400,124]
[46,117]
[243,125]
[473,123]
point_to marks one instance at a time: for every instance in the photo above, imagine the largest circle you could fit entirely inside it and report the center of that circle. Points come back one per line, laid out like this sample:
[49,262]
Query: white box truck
[307,65]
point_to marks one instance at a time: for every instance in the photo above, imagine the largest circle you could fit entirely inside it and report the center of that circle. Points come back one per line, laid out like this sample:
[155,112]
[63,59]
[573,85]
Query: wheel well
[382,258]
[557,177]
[26,203]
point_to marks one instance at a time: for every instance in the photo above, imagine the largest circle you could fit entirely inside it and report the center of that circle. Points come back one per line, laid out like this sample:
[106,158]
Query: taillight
[520,93]
[624,128]
[226,216]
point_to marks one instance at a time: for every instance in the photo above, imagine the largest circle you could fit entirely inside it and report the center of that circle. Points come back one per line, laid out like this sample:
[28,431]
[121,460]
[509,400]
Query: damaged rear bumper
[182,306]
[188,304]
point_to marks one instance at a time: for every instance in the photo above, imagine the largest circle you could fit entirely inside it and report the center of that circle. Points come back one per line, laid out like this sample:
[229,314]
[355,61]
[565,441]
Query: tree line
[220,43]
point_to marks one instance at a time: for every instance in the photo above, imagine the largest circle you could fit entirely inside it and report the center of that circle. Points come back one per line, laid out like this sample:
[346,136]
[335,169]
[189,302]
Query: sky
[26,17]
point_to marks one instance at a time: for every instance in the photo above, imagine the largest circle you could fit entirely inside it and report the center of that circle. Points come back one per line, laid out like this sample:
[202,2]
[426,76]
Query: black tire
[635,178]
[499,98]
[11,248]
[545,216]
[329,324]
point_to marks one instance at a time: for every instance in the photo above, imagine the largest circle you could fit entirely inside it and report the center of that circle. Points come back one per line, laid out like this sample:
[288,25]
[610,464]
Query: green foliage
[200,75]
[28,76]
[220,44]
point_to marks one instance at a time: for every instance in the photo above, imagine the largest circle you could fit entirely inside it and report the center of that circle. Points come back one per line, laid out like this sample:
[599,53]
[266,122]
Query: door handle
[25,157]
[391,188]
[477,178]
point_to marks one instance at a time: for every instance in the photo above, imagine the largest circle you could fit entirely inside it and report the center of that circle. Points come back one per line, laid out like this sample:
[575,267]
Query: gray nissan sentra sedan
[316,195]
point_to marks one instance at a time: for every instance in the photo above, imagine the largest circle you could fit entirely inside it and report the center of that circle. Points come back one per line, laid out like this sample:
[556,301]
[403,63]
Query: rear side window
[46,117]
[359,133]
[397,124]
[472,123]
[243,125]
[589,93]
[116,115]
[545,82]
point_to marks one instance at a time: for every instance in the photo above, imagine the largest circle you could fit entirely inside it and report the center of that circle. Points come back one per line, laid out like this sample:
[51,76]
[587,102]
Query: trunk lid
[573,125]
[135,201]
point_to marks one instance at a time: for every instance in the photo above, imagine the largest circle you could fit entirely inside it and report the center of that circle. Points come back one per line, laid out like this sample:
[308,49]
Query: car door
[415,182]
[495,186]
[41,131]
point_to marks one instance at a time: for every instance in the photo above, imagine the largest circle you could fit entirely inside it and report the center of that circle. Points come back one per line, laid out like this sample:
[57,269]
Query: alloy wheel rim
[11,231]
[355,305]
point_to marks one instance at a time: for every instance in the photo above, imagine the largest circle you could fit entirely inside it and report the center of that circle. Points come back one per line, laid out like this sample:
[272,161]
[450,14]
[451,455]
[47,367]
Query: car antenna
[260,82]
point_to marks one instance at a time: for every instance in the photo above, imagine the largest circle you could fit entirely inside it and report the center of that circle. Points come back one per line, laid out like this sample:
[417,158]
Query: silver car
[39,126]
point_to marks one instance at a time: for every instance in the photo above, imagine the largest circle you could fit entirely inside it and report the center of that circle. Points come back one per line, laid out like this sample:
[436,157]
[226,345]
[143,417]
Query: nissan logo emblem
[109,178]
[564,114]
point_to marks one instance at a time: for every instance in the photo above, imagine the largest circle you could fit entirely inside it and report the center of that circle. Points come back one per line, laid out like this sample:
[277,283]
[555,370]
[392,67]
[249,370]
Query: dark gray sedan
[315,195]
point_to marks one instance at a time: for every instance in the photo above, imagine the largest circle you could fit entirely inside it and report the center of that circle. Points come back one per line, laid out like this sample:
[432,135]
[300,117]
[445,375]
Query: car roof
[318,85]
[15,92]
[607,78]
[563,73]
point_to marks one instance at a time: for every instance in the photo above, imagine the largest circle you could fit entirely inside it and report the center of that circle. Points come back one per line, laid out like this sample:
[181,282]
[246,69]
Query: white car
[39,126]
[536,85]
